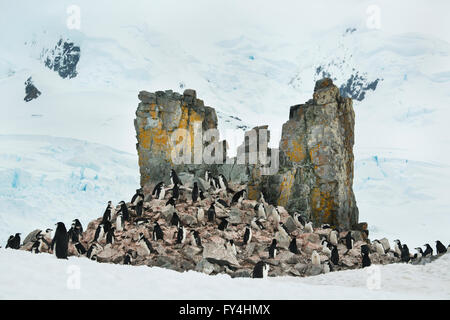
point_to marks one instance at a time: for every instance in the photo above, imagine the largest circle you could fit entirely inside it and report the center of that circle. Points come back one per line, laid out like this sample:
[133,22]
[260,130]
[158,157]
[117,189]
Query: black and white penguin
[378,247]
[124,211]
[349,240]
[175,220]
[238,196]
[196,238]
[334,237]
[93,250]
[247,235]
[398,247]
[326,248]
[202,196]
[128,257]
[141,221]
[37,245]
[174,178]
[145,244]
[99,233]
[200,215]
[299,220]
[170,202]
[334,255]
[223,224]
[76,224]
[293,246]
[195,193]
[138,196]
[176,192]
[208,176]
[223,203]
[256,223]
[328,267]
[440,248]
[107,213]
[110,237]
[14,242]
[223,183]
[159,192]
[80,249]
[260,211]
[119,221]
[139,208]
[276,217]
[215,183]
[364,249]
[181,235]
[405,256]
[428,251]
[325,226]
[315,258]
[366,259]
[158,234]
[48,232]
[229,245]
[211,213]
[309,227]
[60,243]
[261,270]
[273,249]
[419,253]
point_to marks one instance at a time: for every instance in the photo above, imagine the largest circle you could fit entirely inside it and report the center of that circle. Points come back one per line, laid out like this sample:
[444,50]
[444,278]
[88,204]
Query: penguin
[107,213]
[328,267]
[196,238]
[247,235]
[261,270]
[195,193]
[334,237]
[325,226]
[326,248]
[223,203]
[405,256]
[440,248]
[141,221]
[80,248]
[93,250]
[398,247]
[60,243]
[293,246]
[223,183]
[215,183]
[334,255]
[315,258]
[428,251]
[110,238]
[366,259]
[99,233]
[158,234]
[379,247]
[174,178]
[282,230]
[260,211]
[349,240]
[181,235]
[273,249]
[76,224]
[128,258]
[48,232]
[364,249]
[37,245]
[73,235]
[14,242]
[138,196]
[119,221]
[223,224]
[419,253]
[124,210]
[275,216]
[170,202]
[175,221]
[145,244]
[256,223]
[211,213]
[299,221]
[238,196]
[229,245]
[207,175]
[176,192]
[157,190]
[200,215]
[139,208]
[202,196]
[309,227]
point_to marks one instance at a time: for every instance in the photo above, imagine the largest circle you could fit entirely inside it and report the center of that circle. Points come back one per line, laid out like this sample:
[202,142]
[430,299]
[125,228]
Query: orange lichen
[322,206]
[285,188]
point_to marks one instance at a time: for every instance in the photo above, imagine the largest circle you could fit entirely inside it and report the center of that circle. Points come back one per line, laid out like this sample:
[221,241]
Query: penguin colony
[171,227]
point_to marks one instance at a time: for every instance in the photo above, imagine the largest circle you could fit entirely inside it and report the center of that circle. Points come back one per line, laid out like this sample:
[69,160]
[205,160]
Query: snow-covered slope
[27,276]
[250,60]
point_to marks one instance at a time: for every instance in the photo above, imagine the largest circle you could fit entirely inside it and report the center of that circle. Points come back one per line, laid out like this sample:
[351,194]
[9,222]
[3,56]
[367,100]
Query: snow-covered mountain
[251,61]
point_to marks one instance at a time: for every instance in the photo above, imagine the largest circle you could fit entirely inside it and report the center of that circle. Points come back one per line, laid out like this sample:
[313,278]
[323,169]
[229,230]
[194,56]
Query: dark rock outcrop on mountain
[63,59]
[357,86]
[31,92]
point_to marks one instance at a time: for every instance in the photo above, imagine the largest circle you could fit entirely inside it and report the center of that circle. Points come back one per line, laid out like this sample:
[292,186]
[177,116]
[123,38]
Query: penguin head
[274,242]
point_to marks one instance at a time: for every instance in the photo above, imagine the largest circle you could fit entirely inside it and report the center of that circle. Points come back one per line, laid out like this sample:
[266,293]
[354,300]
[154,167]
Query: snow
[24,275]
[65,154]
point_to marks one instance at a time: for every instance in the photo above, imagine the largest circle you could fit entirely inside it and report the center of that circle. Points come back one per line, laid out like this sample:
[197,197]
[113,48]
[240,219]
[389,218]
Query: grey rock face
[31,92]
[63,59]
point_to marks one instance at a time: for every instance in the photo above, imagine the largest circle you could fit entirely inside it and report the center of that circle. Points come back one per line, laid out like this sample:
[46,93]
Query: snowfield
[28,276]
